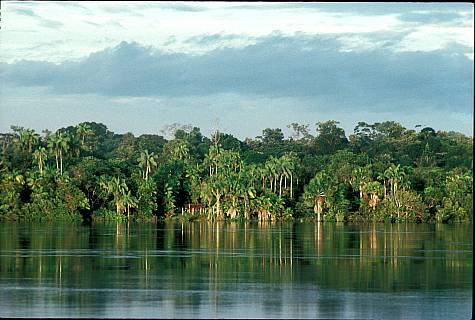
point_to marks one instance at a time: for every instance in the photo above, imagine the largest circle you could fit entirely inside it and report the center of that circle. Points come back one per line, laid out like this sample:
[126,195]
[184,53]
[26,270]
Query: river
[236,270]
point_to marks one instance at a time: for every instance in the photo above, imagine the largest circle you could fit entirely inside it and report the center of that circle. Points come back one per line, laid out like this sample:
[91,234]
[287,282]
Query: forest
[381,172]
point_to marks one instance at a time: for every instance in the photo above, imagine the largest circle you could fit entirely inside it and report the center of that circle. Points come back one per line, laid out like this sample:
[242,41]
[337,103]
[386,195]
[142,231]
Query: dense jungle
[380,172]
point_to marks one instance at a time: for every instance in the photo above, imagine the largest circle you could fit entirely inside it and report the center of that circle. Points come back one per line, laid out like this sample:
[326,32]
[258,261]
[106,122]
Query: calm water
[236,270]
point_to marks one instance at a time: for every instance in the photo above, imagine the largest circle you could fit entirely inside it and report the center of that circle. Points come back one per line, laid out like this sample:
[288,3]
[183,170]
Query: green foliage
[406,205]
[330,137]
[338,211]
[104,214]
[382,172]
[268,207]
[457,203]
[146,193]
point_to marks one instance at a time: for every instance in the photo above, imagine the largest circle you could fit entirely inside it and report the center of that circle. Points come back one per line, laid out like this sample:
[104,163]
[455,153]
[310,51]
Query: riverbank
[375,174]
[110,216]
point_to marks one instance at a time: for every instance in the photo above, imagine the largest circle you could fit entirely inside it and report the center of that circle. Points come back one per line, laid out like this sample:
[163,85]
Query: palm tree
[33,138]
[275,169]
[212,159]
[373,188]
[117,187]
[26,138]
[287,167]
[193,175]
[316,190]
[216,186]
[262,174]
[246,190]
[83,130]
[232,190]
[129,201]
[74,144]
[252,173]
[169,199]
[35,182]
[147,162]
[383,176]
[271,170]
[58,143]
[40,155]
[396,177]
[280,172]
[292,169]
[180,150]
[206,194]
[360,176]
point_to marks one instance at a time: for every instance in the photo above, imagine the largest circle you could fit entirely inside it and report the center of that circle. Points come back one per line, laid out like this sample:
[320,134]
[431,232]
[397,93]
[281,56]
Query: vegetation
[381,172]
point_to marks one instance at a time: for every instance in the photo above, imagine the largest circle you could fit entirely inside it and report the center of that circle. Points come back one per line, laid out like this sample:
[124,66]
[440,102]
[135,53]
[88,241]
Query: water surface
[236,270]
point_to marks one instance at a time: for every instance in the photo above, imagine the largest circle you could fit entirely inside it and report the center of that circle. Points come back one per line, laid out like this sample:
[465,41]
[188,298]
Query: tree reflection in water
[206,267]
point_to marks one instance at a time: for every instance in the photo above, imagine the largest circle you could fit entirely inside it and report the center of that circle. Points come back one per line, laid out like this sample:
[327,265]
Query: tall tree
[147,162]
[40,156]
[129,201]
[83,130]
[272,136]
[26,139]
[117,188]
[330,137]
[317,190]
[58,143]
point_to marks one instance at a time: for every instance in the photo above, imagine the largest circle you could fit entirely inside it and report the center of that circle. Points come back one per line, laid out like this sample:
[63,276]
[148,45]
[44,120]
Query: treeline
[381,172]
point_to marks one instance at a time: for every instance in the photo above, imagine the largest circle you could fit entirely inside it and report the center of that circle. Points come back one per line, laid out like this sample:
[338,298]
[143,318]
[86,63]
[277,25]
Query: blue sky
[242,67]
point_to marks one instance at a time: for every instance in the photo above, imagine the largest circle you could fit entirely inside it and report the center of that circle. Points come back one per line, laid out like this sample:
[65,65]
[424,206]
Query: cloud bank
[307,67]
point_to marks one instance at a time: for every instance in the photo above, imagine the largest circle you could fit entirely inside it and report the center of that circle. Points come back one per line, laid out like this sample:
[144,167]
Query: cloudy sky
[239,67]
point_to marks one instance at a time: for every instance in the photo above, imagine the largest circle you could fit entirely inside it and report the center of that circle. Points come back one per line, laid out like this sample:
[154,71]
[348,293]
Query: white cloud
[59,31]
[434,37]
[86,27]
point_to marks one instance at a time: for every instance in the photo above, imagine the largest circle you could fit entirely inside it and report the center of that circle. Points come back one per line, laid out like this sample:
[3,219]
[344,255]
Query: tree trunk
[218,198]
[319,204]
[280,186]
[375,200]
[291,186]
[40,165]
[316,210]
[61,161]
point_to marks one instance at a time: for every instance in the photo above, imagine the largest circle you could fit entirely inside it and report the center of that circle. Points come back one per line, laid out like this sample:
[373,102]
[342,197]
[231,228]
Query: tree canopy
[381,171]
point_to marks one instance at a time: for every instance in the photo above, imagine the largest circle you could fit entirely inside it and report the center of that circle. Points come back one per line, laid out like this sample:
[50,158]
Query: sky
[237,67]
